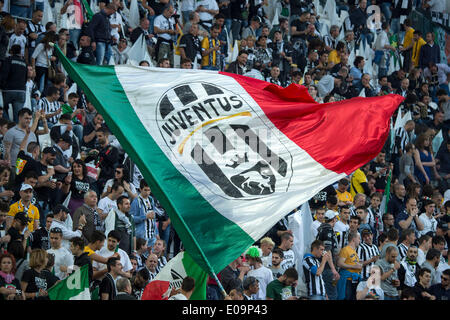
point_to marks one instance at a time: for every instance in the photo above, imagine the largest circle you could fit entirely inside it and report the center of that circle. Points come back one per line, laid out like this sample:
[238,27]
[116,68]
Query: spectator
[99,31]
[63,258]
[108,289]
[389,277]
[313,266]
[368,253]
[442,290]
[10,288]
[328,237]
[397,203]
[26,192]
[429,52]
[40,238]
[81,258]
[33,284]
[165,29]
[124,224]
[112,246]
[87,54]
[418,43]
[187,288]
[60,215]
[142,210]
[281,288]
[319,217]
[108,203]
[262,274]
[421,288]
[277,258]
[409,218]
[239,65]
[408,273]
[122,178]
[92,219]
[251,288]
[14,136]
[211,55]
[13,78]
[190,45]
[106,157]
[431,263]
[124,290]
[424,246]
[267,246]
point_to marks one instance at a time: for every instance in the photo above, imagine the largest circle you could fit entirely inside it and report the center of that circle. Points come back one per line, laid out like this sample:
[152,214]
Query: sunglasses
[56,230]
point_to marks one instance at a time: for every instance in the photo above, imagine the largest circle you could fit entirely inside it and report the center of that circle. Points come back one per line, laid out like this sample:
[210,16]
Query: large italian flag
[226,155]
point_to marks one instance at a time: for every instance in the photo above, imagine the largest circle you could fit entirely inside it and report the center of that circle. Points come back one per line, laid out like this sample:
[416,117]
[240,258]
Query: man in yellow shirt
[349,263]
[406,48]
[25,205]
[335,55]
[417,46]
[211,50]
[344,197]
[358,182]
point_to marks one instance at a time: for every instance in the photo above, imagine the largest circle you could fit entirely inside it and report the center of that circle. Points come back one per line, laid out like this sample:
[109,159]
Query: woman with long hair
[34,283]
[424,160]
[4,180]
[122,176]
[41,59]
[10,288]
[78,183]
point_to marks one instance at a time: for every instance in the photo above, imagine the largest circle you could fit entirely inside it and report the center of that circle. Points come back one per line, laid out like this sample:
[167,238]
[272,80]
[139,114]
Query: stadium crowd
[71,196]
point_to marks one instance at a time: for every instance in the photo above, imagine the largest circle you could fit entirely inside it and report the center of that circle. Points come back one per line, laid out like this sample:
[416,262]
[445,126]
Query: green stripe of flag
[197,223]
[88,10]
[74,287]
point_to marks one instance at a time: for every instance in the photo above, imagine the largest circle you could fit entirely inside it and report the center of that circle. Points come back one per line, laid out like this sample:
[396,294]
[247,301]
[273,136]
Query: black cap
[49,150]
[366,231]
[22,217]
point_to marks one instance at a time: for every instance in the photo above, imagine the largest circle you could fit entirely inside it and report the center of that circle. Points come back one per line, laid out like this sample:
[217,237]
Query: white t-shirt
[115,18]
[106,204]
[264,276]
[178,296]
[104,252]
[187,5]
[341,227]
[428,224]
[437,5]
[20,40]
[164,24]
[314,226]
[208,4]
[267,260]
[288,259]
[420,257]
[363,284]
[63,257]
[382,40]
[41,55]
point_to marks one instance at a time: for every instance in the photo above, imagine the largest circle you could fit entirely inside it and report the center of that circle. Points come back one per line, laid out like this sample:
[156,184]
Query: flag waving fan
[228,156]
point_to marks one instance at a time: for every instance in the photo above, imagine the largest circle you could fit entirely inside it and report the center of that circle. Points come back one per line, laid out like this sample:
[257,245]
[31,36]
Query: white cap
[25,186]
[330,214]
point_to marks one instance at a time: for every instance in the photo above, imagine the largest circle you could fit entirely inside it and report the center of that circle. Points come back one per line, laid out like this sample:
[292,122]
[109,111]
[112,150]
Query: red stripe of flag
[342,136]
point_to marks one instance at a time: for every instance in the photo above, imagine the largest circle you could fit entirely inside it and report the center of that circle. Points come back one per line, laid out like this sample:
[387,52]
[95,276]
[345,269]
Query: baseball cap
[22,217]
[330,214]
[366,231]
[343,182]
[49,150]
[25,186]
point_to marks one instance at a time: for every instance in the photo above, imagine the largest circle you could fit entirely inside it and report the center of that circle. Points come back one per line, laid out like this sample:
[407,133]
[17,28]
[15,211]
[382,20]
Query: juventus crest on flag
[226,155]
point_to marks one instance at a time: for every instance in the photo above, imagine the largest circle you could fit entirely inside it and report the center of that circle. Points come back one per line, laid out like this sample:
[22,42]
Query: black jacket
[82,260]
[86,56]
[325,233]
[13,74]
[429,54]
[100,28]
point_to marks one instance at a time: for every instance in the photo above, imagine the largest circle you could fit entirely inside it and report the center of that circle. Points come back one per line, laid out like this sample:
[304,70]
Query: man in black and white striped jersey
[403,136]
[51,106]
[368,253]
[407,238]
[313,266]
